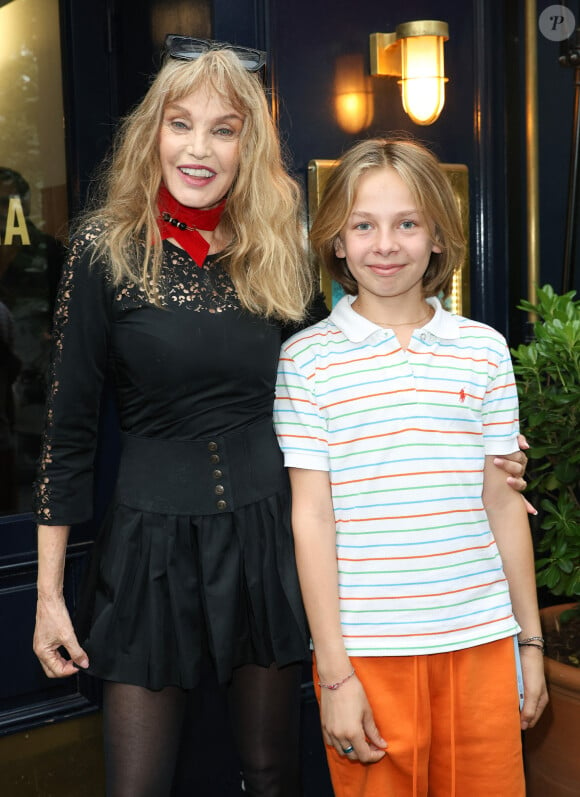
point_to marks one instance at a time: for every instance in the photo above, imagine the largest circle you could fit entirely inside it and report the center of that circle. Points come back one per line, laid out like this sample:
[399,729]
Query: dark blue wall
[555,111]
[482,124]
[305,53]
[308,37]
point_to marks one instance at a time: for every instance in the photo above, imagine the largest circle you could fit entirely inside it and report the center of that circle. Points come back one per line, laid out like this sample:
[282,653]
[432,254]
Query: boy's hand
[347,721]
[535,692]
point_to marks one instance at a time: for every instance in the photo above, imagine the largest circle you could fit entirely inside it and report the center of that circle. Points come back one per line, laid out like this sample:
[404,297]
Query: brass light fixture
[414,52]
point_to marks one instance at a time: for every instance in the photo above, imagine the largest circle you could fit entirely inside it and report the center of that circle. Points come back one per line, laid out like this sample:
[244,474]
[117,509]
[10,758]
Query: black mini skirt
[195,558]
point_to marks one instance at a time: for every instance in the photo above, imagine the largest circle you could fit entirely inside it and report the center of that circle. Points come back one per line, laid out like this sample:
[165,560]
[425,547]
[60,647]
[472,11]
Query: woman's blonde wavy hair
[266,257]
[431,190]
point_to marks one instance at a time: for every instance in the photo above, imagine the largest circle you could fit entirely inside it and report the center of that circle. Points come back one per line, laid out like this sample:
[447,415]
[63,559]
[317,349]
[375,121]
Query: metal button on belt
[219,489]
[212,446]
[214,459]
[217,474]
[221,504]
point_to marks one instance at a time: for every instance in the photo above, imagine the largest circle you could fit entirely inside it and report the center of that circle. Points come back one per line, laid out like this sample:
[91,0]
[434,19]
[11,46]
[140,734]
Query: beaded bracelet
[530,645]
[531,642]
[337,683]
[533,639]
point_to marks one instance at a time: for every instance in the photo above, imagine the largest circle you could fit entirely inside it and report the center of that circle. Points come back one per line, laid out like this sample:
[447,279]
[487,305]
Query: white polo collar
[358,328]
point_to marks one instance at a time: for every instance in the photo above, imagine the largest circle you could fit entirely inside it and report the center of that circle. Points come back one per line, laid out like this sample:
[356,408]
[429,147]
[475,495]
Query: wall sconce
[353,94]
[415,54]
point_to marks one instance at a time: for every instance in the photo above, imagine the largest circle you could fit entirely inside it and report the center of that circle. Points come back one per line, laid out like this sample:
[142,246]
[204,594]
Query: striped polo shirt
[403,435]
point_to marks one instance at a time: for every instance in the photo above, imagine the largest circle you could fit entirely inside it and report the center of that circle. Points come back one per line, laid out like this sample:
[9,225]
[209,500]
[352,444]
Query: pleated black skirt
[166,588]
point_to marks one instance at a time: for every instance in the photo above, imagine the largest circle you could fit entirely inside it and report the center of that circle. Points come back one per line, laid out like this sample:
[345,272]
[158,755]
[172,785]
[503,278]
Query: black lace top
[197,366]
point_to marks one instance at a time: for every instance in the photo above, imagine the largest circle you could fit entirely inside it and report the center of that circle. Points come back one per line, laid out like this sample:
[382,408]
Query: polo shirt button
[219,489]
[221,504]
[424,336]
[214,459]
[217,474]
[212,446]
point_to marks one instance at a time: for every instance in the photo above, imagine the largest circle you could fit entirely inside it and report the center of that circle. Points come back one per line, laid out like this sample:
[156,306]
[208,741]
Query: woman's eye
[178,124]
[225,132]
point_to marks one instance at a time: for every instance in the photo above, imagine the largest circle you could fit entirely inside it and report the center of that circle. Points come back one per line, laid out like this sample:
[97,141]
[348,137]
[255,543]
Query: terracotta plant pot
[551,748]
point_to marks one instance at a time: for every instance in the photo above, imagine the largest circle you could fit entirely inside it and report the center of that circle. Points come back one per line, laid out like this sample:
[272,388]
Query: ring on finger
[347,750]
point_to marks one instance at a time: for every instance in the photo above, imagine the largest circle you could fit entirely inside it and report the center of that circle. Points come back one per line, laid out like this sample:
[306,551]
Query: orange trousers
[451,721]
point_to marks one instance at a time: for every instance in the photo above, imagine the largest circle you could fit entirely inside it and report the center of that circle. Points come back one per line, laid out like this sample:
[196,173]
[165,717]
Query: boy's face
[386,241]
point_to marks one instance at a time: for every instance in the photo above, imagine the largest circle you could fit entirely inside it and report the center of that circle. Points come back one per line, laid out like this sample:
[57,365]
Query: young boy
[414,555]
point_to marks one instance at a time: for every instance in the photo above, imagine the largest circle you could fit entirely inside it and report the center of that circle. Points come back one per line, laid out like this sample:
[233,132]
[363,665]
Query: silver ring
[347,750]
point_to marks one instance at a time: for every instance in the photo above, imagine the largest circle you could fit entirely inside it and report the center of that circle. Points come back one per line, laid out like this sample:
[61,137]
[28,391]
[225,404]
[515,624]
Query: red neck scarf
[182,224]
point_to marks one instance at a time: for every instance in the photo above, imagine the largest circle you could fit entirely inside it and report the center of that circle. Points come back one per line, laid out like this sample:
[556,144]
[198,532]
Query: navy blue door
[40,166]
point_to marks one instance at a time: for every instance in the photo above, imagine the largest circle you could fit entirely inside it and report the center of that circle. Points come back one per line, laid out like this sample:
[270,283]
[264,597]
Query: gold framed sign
[458,302]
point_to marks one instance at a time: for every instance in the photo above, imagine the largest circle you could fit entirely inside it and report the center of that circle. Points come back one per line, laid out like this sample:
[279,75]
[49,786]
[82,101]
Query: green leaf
[566,566]
[547,372]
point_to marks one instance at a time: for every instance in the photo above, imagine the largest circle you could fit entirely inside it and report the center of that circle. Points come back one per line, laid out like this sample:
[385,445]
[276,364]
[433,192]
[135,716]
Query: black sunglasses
[185,48]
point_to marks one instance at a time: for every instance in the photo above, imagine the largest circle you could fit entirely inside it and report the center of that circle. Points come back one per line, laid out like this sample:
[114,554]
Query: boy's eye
[363,226]
[408,225]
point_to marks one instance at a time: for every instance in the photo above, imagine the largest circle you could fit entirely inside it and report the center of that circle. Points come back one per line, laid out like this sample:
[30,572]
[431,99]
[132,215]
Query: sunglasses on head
[184,48]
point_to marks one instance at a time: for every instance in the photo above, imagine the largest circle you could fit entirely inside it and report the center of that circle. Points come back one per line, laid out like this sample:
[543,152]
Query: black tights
[142,732]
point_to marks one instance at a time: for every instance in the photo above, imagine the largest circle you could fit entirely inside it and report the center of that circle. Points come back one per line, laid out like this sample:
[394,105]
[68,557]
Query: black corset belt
[201,477]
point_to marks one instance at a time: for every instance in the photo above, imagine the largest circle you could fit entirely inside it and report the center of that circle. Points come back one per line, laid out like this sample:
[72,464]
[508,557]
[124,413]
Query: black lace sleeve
[316,311]
[63,491]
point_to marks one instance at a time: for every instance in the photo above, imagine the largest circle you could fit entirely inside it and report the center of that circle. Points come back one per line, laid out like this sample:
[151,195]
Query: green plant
[548,376]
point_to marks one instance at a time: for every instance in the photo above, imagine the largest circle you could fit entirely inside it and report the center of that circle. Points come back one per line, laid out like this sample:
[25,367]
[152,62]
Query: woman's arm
[515,466]
[346,716]
[63,490]
[509,524]
[53,624]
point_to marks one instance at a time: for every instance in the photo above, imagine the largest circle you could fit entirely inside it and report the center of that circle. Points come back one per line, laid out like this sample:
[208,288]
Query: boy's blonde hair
[431,190]
[266,257]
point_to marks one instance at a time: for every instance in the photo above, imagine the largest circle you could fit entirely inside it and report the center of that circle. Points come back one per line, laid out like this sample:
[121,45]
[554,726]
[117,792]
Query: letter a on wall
[16,223]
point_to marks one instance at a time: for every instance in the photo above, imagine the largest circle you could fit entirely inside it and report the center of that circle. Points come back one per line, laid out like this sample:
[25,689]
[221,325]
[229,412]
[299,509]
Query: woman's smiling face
[199,148]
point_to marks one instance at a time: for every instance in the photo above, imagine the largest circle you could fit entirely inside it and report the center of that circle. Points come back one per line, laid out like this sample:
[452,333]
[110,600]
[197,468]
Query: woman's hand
[54,630]
[535,692]
[347,720]
[515,467]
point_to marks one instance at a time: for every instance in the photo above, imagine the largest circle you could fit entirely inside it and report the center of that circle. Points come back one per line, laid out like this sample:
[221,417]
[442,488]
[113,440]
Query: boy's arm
[509,524]
[346,716]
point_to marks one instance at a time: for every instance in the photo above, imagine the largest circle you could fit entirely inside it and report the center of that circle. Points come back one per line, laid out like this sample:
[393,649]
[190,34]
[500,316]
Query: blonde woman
[179,288]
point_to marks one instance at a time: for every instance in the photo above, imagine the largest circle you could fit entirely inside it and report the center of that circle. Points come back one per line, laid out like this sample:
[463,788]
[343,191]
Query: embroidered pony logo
[462,395]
